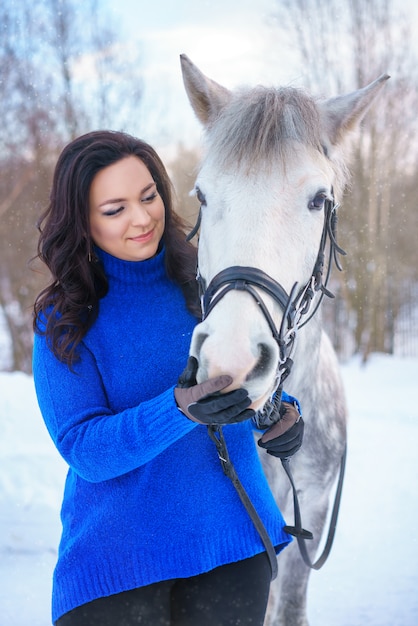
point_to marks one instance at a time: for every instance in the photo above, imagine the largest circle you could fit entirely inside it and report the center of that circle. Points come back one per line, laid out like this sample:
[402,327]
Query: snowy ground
[371,577]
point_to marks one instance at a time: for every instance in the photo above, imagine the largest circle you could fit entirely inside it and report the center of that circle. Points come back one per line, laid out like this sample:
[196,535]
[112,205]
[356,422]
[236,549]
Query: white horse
[274,163]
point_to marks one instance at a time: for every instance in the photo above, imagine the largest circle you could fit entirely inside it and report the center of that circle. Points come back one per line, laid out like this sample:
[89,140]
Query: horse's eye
[317,204]
[200,196]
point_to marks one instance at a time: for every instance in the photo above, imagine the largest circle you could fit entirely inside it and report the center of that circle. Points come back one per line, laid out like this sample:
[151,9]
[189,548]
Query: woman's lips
[143,238]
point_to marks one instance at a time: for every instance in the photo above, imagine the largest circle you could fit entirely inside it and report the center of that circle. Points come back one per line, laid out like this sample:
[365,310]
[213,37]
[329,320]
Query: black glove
[204,404]
[285,437]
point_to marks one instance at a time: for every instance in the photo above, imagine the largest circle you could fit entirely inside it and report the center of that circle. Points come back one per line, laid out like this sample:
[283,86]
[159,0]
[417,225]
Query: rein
[217,436]
[297,312]
[300,533]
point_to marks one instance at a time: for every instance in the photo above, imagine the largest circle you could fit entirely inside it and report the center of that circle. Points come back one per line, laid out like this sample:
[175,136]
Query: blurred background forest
[64,71]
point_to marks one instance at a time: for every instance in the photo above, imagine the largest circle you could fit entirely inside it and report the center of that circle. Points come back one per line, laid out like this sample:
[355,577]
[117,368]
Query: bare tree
[343,45]
[46,101]
[21,170]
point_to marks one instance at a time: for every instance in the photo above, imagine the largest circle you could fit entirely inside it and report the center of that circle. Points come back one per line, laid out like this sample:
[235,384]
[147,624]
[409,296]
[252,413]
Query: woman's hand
[284,438]
[203,403]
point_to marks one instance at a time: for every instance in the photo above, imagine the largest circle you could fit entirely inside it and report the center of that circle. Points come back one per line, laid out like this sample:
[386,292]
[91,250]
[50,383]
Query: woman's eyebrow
[111,201]
[116,200]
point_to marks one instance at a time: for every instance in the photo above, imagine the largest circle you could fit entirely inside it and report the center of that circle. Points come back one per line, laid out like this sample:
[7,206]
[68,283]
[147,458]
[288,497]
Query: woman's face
[126,212]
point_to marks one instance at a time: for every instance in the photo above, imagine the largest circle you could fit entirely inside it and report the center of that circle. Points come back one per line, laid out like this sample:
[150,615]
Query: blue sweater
[145,497]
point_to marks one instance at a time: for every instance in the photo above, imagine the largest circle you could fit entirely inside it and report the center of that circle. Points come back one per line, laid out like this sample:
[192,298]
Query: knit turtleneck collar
[133,272]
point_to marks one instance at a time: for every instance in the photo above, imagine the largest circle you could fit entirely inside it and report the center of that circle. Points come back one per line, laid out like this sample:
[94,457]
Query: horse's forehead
[262,124]
[303,164]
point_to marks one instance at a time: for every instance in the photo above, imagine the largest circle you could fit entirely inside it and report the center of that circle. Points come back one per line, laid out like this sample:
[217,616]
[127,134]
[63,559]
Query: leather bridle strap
[300,533]
[217,436]
[241,277]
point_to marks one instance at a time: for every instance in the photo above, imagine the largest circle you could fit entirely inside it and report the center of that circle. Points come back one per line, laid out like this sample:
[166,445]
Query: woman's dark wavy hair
[68,306]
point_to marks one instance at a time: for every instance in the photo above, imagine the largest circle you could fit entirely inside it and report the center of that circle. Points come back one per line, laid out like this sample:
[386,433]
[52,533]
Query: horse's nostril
[264,362]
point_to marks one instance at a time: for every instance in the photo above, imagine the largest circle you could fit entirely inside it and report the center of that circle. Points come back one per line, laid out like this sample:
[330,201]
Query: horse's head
[273,163]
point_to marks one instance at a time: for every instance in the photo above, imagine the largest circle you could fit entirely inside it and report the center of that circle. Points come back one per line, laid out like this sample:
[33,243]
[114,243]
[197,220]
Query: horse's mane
[262,123]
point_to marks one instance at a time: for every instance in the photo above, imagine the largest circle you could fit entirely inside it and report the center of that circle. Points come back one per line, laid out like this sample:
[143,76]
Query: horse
[274,168]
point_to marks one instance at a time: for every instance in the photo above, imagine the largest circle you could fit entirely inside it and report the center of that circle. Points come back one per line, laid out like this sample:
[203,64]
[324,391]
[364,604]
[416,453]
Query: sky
[232,41]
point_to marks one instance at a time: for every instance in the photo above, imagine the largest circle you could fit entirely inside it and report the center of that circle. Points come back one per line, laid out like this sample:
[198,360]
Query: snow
[371,576]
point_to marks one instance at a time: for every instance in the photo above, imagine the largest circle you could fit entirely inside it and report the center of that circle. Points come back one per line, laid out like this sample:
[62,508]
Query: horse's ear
[343,113]
[206,97]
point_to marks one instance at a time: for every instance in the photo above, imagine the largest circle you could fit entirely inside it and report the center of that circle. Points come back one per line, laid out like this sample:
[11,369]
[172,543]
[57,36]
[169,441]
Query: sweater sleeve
[95,442]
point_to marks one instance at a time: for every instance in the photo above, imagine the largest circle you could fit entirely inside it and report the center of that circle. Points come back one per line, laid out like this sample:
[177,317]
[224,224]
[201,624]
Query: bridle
[297,313]
[296,306]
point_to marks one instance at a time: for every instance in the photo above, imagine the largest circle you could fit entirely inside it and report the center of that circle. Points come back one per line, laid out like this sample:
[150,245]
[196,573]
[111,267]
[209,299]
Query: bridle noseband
[296,305]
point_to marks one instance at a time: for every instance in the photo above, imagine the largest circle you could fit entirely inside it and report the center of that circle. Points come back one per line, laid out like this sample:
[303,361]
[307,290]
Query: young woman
[153,531]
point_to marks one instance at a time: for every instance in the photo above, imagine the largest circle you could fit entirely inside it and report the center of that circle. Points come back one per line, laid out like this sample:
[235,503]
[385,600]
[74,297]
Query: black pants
[231,595]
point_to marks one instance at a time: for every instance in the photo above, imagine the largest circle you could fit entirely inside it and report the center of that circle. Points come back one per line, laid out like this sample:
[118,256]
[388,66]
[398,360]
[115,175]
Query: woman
[153,532]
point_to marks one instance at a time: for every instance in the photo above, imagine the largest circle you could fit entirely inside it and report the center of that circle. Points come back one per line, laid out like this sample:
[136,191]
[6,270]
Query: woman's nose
[140,216]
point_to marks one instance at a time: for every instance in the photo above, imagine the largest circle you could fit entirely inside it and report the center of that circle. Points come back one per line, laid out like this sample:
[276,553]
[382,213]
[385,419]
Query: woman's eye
[317,204]
[111,212]
[200,196]
[151,197]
